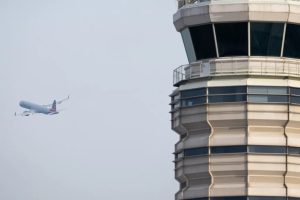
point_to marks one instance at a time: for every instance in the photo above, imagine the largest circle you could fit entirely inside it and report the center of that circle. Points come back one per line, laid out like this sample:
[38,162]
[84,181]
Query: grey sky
[115,59]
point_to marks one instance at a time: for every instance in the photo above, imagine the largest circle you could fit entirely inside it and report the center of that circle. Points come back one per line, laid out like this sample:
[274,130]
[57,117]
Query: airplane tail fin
[54,105]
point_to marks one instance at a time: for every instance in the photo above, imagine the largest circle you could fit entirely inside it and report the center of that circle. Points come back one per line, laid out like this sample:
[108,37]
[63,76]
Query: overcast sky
[115,59]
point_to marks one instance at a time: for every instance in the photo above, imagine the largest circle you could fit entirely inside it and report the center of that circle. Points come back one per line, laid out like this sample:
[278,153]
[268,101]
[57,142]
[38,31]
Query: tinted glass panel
[293,198]
[295,99]
[292,41]
[193,93]
[268,98]
[232,39]
[227,90]
[196,151]
[227,98]
[203,40]
[267,149]
[277,99]
[258,98]
[295,91]
[266,39]
[293,150]
[267,90]
[188,44]
[229,149]
[277,90]
[193,101]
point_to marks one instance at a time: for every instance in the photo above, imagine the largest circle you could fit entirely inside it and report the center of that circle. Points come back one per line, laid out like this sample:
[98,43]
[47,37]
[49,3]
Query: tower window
[229,149]
[203,40]
[292,41]
[266,39]
[232,39]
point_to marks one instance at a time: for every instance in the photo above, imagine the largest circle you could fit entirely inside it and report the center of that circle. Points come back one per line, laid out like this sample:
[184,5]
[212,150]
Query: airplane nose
[21,103]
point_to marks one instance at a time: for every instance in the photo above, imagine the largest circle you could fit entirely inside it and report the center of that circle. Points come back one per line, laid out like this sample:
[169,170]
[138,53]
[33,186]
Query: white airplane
[33,108]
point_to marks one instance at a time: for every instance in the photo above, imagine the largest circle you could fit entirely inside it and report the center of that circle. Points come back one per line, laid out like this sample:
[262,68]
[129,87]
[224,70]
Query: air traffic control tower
[236,105]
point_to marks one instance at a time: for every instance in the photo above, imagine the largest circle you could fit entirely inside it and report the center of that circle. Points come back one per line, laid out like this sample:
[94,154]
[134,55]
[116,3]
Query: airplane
[33,108]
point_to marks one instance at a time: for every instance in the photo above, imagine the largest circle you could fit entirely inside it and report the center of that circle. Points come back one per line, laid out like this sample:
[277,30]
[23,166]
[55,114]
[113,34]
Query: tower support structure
[236,106]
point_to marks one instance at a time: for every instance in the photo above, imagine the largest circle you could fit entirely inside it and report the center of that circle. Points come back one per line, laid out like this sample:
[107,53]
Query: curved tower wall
[236,106]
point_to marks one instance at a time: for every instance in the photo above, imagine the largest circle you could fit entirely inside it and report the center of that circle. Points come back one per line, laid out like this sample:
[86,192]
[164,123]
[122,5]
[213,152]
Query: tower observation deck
[236,106]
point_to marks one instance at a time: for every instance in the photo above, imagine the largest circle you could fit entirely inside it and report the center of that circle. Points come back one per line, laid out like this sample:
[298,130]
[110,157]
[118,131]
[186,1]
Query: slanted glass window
[232,39]
[294,150]
[229,149]
[203,41]
[266,39]
[196,151]
[188,44]
[267,149]
[193,93]
[227,98]
[292,41]
[227,90]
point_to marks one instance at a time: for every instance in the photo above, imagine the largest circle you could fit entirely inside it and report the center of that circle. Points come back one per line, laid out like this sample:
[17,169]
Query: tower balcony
[238,66]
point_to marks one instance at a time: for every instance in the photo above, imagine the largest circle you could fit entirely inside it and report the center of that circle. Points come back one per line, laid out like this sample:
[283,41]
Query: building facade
[236,106]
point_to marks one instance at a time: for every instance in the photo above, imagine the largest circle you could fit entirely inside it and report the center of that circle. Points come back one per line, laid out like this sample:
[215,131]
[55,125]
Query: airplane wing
[25,113]
[58,102]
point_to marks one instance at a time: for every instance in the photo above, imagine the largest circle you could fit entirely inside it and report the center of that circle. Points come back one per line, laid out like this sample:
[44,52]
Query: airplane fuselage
[37,108]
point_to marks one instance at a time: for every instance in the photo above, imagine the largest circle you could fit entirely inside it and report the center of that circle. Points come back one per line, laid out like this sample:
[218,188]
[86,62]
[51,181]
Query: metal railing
[244,66]
[182,3]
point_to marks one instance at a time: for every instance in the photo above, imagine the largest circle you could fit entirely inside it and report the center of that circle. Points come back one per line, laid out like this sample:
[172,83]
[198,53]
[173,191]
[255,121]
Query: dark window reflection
[295,99]
[193,93]
[295,91]
[232,39]
[292,41]
[267,149]
[196,151]
[227,90]
[227,98]
[203,40]
[293,150]
[229,149]
[266,39]
[277,99]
